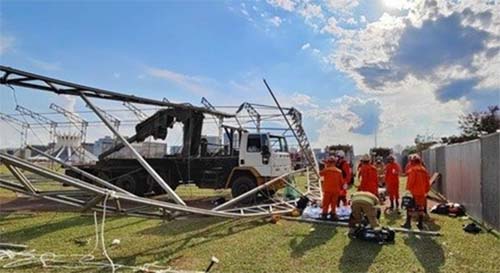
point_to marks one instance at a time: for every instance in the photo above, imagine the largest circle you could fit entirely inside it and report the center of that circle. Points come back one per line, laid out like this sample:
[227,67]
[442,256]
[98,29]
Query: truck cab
[262,156]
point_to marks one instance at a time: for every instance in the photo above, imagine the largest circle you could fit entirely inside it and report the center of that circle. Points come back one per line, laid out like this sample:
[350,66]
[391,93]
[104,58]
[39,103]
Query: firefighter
[363,203]
[379,165]
[368,176]
[392,170]
[332,182]
[345,167]
[418,185]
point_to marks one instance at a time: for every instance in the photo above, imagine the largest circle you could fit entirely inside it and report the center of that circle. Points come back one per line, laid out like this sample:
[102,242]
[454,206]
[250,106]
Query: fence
[470,175]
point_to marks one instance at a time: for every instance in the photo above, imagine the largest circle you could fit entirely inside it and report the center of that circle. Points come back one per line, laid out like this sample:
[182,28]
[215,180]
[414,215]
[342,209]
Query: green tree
[480,122]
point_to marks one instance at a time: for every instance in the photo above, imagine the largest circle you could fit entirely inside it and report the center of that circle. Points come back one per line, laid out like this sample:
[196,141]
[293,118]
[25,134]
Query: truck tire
[241,185]
[127,183]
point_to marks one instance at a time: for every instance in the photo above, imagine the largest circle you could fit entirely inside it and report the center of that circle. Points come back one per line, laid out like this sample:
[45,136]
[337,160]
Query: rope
[52,260]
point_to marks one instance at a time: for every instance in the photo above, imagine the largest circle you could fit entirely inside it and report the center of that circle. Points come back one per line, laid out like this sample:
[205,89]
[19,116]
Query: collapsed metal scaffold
[89,195]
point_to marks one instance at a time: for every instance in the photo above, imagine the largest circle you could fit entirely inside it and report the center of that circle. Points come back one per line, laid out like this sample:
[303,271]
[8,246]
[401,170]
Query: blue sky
[354,68]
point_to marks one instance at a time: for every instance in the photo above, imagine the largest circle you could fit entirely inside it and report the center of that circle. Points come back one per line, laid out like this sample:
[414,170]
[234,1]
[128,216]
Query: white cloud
[6,44]
[311,11]
[350,21]
[362,19]
[302,101]
[195,85]
[456,47]
[288,5]
[332,27]
[341,6]
[275,20]
[305,46]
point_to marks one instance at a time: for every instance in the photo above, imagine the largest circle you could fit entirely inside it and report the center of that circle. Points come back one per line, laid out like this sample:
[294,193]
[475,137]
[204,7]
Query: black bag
[472,228]
[302,203]
[384,235]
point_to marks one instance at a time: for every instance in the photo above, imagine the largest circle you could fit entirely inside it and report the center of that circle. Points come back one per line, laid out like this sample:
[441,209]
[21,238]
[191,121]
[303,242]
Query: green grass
[247,245]
[254,246]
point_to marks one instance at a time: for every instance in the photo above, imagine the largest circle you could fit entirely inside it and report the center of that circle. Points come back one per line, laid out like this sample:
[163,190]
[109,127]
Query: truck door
[257,154]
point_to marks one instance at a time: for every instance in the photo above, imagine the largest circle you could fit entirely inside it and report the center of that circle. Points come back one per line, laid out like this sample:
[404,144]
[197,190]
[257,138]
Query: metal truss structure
[16,122]
[137,112]
[76,121]
[41,120]
[114,120]
[87,196]
[90,195]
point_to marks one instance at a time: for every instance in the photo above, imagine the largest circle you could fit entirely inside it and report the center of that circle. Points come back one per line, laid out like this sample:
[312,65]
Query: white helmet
[340,153]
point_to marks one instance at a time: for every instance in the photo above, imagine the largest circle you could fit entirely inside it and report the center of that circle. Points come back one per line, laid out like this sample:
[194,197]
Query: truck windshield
[278,144]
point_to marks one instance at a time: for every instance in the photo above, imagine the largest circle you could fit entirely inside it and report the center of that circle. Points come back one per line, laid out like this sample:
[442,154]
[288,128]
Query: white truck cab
[262,156]
[266,153]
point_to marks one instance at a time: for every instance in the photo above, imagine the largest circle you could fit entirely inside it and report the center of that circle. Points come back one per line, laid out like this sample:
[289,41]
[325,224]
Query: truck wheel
[241,185]
[127,183]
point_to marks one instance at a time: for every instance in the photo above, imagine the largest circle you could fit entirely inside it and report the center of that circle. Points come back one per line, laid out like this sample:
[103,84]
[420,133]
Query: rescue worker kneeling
[332,182]
[363,204]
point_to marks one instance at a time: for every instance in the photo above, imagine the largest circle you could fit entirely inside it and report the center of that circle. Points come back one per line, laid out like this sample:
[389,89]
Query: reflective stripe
[367,198]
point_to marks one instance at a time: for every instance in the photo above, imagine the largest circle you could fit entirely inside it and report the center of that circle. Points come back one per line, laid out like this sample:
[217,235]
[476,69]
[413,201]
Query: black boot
[392,205]
[407,224]
[333,217]
[420,224]
[324,216]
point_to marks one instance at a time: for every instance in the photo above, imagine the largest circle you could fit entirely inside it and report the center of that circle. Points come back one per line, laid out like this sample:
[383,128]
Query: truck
[349,156]
[245,161]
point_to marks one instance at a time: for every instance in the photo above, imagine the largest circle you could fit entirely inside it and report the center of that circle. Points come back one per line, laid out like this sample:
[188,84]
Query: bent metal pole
[136,154]
[83,173]
[255,190]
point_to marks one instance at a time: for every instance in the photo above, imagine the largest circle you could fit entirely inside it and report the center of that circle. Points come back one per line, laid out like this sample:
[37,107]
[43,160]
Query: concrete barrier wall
[470,175]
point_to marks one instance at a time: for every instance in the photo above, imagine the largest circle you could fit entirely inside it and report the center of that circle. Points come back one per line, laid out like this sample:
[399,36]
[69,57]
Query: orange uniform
[369,180]
[418,184]
[344,166]
[332,182]
[392,171]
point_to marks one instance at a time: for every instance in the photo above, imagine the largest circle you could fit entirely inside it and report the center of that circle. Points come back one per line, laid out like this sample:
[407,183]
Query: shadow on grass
[197,232]
[358,256]
[50,226]
[429,253]
[319,235]
[182,226]
[393,217]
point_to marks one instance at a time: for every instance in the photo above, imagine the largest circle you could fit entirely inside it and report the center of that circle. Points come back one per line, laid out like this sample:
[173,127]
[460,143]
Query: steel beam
[92,177]
[21,178]
[254,190]
[136,154]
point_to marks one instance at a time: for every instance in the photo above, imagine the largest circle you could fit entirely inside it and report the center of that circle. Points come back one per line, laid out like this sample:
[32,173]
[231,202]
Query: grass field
[251,245]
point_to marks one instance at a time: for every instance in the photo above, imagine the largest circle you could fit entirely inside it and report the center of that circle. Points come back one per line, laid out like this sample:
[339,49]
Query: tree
[479,123]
